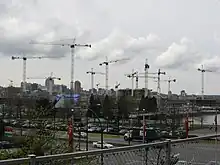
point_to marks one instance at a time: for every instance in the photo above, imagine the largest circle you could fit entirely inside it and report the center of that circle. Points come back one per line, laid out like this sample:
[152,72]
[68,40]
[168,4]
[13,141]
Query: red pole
[70,134]
[187,126]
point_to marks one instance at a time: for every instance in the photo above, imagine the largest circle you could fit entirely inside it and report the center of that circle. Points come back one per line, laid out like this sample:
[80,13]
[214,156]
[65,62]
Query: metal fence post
[146,155]
[168,152]
[32,159]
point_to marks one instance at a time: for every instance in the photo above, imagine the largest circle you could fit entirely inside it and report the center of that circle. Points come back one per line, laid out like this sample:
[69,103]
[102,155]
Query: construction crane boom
[51,78]
[143,76]
[72,47]
[168,81]
[24,58]
[106,63]
[92,73]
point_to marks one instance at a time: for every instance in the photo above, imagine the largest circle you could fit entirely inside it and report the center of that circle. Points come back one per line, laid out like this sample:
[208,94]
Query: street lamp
[100,123]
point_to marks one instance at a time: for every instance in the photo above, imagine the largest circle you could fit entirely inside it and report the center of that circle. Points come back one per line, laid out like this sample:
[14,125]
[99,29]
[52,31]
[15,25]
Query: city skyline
[172,39]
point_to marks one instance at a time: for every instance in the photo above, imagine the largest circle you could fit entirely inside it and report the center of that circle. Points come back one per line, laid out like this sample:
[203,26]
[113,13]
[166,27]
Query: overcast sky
[175,35]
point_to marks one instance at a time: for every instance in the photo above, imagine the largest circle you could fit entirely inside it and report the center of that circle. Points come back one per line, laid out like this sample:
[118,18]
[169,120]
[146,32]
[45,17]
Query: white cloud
[179,55]
[119,45]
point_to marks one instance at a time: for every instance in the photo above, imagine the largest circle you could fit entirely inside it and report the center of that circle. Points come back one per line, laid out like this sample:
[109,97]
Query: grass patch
[105,135]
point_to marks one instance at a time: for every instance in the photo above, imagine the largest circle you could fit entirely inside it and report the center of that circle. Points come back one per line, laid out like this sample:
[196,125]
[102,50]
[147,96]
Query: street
[96,137]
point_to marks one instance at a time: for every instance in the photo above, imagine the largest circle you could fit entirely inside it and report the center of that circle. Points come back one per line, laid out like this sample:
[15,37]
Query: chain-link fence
[132,155]
[199,150]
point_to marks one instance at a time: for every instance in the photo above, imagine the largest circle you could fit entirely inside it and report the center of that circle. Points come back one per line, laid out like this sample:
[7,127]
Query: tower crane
[202,70]
[92,73]
[168,81]
[158,87]
[72,46]
[146,68]
[146,76]
[50,78]
[106,63]
[24,58]
[132,75]
[143,76]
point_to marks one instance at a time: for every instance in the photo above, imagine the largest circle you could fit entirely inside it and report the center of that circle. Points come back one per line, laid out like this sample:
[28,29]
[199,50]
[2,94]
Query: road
[63,135]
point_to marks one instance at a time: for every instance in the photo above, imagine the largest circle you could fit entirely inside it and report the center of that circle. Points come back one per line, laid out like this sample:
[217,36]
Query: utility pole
[92,73]
[132,75]
[106,63]
[158,87]
[202,70]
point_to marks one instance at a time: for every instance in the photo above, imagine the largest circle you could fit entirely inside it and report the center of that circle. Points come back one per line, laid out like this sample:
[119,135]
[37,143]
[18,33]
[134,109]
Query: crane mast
[202,70]
[50,78]
[92,73]
[158,87]
[142,75]
[146,67]
[72,46]
[25,66]
[132,75]
[106,63]
[168,82]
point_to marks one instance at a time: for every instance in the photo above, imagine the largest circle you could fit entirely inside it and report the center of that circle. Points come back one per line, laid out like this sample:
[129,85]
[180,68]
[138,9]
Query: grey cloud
[180,55]
[15,35]
[120,45]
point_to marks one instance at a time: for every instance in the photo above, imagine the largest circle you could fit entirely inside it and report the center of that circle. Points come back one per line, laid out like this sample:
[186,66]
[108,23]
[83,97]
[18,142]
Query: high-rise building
[77,89]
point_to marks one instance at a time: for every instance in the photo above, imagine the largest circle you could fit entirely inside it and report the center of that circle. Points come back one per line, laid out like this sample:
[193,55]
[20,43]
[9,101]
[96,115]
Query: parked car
[105,145]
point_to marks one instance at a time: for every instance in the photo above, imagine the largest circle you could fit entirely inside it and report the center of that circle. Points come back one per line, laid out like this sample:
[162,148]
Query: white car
[105,145]
[83,134]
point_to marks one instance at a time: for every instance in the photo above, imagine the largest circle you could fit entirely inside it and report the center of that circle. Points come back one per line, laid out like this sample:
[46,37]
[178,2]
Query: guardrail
[161,153]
